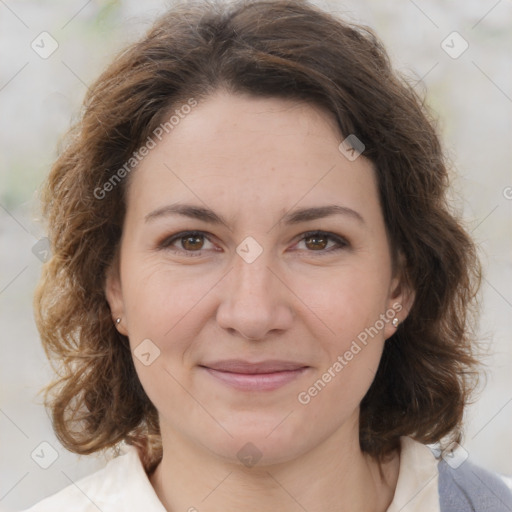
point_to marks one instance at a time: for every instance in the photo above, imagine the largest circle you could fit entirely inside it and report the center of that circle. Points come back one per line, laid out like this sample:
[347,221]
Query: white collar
[124,485]
[417,486]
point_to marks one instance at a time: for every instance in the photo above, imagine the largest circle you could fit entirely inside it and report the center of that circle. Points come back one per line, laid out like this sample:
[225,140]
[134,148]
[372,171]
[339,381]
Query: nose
[255,303]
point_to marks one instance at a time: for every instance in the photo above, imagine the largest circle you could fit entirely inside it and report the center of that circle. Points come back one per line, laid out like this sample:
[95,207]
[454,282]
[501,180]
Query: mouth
[258,376]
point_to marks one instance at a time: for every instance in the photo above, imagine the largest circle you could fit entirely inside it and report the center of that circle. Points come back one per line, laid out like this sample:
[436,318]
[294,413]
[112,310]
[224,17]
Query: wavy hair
[265,48]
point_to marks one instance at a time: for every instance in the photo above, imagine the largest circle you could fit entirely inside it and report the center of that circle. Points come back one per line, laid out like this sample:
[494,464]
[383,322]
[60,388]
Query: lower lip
[256,381]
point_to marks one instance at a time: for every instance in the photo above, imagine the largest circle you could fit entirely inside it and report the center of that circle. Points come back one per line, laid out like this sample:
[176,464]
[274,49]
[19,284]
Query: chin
[259,442]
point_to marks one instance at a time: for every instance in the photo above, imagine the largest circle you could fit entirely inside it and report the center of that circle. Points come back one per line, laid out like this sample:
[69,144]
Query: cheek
[351,306]
[162,306]
[160,300]
[350,303]
[335,394]
[346,300]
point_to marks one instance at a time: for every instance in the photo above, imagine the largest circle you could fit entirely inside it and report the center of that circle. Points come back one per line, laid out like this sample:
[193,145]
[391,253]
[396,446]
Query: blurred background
[456,54]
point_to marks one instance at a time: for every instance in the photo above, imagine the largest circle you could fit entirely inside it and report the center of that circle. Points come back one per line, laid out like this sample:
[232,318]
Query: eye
[187,242]
[321,241]
[192,243]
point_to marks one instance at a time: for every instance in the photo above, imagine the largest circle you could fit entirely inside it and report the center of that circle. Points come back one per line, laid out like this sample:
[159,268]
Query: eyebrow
[293,217]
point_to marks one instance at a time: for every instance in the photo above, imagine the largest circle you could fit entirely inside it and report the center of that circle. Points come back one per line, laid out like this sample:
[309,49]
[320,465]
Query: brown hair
[270,48]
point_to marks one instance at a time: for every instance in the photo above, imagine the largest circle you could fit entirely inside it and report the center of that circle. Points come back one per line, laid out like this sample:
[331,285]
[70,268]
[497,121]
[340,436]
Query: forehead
[243,152]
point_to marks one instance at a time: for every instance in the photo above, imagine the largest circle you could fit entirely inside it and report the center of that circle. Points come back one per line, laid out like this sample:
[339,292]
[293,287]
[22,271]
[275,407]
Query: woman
[257,288]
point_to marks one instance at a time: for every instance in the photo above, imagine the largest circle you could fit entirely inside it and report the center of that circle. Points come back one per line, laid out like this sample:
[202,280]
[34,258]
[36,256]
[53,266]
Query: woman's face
[255,280]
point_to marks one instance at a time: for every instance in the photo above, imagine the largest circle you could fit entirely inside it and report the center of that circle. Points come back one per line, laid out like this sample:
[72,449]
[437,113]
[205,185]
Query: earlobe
[114,296]
[401,291]
[401,300]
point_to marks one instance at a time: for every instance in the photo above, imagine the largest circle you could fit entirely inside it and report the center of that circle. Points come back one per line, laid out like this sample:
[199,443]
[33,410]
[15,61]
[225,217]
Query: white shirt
[123,486]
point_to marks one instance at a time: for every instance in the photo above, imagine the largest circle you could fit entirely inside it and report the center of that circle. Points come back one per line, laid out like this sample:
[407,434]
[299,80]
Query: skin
[252,161]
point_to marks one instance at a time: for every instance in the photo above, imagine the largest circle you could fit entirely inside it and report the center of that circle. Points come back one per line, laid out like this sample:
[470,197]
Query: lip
[258,376]
[242,366]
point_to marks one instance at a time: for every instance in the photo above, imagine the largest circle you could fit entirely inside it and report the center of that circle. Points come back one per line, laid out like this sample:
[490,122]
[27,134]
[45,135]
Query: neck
[335,476]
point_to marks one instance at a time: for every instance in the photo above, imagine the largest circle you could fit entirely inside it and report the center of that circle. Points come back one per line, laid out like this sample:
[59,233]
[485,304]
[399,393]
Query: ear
[401,299]
[114,295]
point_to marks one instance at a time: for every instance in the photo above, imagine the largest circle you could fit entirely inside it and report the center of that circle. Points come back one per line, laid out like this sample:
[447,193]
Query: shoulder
[122,485]
[464,486]
[451,483]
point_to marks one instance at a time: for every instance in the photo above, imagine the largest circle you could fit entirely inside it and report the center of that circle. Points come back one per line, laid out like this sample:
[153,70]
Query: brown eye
[322,242]
[188,243]
[192,242]
[316,242]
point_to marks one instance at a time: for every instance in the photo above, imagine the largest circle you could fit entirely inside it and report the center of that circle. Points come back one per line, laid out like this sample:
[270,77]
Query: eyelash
[166,244]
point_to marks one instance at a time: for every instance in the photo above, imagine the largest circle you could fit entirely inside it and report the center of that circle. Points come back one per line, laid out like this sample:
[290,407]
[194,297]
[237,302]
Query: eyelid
[341,241]
[167,242]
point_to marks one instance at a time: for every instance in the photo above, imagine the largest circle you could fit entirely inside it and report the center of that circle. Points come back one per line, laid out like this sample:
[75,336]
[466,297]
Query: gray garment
[470,488]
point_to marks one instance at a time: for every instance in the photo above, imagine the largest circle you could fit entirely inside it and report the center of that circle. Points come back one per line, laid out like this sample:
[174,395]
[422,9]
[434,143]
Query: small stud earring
[395,322]
[118,321]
